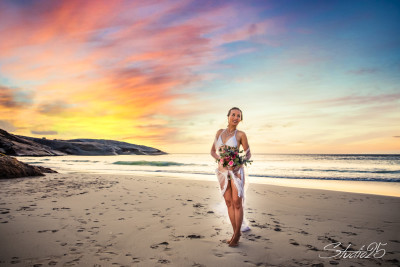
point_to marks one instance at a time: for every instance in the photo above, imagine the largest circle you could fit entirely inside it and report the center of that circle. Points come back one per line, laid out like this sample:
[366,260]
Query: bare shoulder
[218,133]
[242,139]
[241,134]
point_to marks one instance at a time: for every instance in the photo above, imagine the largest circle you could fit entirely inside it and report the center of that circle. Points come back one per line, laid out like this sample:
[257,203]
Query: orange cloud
[14,97]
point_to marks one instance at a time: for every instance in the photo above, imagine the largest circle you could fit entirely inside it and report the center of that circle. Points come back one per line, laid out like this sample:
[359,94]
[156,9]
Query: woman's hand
[237,168]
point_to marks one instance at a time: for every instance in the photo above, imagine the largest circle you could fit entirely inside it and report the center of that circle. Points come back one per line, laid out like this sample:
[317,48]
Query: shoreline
[124,220]
[381,188]
[294,167]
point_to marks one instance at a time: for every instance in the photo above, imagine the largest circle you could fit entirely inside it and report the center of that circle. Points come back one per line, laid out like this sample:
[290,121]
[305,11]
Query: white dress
[237,176]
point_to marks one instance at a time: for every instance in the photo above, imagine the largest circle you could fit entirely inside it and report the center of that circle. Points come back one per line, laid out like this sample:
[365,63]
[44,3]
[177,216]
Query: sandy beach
[120,220]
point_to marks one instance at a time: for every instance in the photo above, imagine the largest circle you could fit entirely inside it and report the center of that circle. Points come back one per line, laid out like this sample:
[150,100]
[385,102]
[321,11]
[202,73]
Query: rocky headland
[17,145]
[10,167]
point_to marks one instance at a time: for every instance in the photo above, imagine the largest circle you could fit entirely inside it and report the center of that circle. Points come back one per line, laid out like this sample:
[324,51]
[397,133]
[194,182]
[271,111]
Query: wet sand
[119,220]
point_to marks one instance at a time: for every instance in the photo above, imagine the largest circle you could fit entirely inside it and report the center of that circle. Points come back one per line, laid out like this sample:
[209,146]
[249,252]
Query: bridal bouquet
[230,156]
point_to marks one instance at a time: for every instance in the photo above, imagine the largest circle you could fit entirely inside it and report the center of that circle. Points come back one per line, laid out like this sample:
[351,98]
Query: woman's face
[234,117]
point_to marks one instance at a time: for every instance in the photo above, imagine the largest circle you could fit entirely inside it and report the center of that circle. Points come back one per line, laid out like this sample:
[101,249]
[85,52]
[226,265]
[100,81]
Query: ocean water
[376,174]
[381,168]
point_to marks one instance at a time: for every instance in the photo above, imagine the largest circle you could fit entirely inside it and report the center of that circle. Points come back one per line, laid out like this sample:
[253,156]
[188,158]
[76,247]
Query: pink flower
[230,163]
[221,160]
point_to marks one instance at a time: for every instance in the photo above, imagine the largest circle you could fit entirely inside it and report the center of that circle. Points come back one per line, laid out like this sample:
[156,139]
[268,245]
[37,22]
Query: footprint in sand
[4,211]
[15,260]
[253,237]
[348,233]
[24,208]
[161,245]
[262,226]
[44,231]
[194,236]
[163,261]
[311,247]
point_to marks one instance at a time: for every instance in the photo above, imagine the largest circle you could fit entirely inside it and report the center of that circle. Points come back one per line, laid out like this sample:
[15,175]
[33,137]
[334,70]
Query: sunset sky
[309,76]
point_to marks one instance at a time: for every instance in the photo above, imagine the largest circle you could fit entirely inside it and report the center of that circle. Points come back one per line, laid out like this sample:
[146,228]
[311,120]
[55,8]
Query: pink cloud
[246,32]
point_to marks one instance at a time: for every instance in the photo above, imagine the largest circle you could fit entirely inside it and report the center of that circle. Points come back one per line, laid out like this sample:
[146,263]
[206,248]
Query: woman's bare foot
[228,240]
[233,242]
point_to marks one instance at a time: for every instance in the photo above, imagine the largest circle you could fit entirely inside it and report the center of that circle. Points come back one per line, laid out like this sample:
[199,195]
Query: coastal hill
[17,145]
[10,167]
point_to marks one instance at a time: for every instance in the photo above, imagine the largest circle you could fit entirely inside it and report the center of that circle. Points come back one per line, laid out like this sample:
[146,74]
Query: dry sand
[116,220]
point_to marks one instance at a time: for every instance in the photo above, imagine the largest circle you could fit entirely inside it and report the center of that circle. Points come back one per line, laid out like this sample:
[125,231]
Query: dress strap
[220,135]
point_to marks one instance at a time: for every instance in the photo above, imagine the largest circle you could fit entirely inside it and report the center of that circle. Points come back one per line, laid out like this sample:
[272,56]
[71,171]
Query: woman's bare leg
[238,215]
[229,204]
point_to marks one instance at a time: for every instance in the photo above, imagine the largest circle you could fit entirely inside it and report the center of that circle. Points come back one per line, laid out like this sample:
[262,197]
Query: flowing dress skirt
[237,178]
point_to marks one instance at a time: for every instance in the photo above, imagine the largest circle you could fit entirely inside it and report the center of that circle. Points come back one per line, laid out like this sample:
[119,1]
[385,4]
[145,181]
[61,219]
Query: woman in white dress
[232,180]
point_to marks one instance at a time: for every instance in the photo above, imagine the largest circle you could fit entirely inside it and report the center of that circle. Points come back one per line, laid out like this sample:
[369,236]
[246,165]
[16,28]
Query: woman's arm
[244,142]
[213,151]
[246,147]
